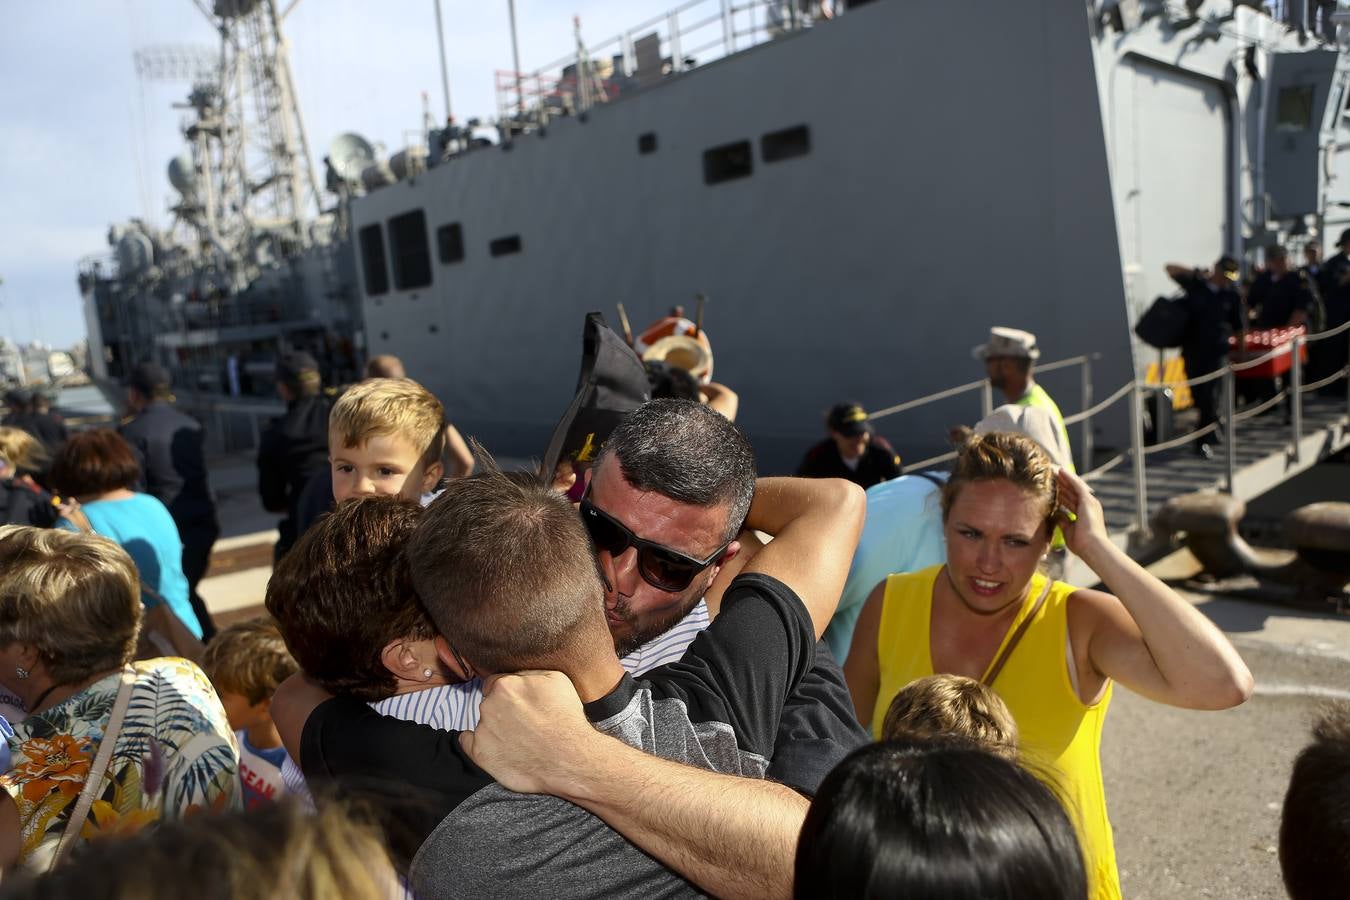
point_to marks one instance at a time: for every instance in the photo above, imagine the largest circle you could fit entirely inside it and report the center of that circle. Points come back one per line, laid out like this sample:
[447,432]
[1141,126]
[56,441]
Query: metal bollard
[1230,426]
[1296,396]
[1085,445]
[1137,452]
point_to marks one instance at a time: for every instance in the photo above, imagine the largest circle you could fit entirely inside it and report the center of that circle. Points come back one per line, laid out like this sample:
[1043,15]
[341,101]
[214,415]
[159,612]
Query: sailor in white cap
[1008,356]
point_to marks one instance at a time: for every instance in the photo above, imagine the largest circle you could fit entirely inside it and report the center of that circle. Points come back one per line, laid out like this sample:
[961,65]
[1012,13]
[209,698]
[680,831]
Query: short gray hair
[688,452]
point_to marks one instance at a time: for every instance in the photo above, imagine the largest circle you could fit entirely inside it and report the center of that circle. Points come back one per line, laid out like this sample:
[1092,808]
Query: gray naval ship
[860,197]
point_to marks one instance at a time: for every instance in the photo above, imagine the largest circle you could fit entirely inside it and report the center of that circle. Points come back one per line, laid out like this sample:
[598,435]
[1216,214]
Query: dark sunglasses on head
[662,568]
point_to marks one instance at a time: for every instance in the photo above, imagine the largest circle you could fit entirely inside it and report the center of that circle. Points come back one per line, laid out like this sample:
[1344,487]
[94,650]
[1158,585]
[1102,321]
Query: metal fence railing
[692,34]
[1136,393]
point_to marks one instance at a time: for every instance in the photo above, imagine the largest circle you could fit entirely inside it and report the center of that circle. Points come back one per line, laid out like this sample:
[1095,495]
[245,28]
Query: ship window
[372,260]
[727,162]
[647,142]
[785,144]
[505,245]
[408,246]
[450,243]
[1294,108]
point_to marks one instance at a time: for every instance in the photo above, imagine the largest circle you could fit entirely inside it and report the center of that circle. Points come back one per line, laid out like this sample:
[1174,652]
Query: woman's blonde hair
[75,597]
[953,706]
[1004,456]
[21,450]
[278,851]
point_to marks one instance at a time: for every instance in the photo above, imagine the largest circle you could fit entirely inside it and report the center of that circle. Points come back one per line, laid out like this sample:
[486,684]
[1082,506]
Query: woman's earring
[21,672]
[426,673]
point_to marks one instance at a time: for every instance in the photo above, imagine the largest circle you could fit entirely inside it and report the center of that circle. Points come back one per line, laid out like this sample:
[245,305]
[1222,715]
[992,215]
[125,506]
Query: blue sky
[76,125]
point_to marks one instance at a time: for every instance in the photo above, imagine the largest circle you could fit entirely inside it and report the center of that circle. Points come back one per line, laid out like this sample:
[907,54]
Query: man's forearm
[733,837]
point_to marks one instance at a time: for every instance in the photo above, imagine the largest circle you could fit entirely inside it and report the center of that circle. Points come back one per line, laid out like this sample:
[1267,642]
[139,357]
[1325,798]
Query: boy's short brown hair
[506,570]
[390,406]
[249,659]
[343,592]
[952,705]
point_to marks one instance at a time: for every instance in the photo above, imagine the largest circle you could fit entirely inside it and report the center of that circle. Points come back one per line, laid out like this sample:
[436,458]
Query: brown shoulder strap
[1008,648]
[77,518]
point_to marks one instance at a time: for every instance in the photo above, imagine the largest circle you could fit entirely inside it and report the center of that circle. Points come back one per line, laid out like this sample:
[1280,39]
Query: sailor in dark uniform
[173,466]
[851,451]
[295,446]
[1214,308]
[18,400]
[1334,279]
[1280,297]
[29,410]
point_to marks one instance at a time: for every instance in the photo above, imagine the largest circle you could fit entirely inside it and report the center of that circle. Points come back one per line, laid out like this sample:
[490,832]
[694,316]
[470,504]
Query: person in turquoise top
[1008,357]
[98,469]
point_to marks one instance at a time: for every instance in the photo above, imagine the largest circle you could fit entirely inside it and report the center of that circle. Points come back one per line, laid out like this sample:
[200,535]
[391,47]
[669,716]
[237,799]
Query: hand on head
[564,476]
[1079,513]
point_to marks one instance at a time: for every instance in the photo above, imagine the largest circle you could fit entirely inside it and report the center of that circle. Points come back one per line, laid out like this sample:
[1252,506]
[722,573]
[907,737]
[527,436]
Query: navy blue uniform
[1275,300]
[878,463]
[292,450]
[173,466]
[1215,313]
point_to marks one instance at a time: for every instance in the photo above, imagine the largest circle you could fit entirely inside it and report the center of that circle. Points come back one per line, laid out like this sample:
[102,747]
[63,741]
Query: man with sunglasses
[719,709]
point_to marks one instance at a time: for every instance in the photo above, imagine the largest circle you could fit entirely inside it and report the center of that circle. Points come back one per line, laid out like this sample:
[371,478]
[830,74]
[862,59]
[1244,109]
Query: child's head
[952,705]
[20,453]
[1314,829]
[344,599]
[385,436]
[246,662]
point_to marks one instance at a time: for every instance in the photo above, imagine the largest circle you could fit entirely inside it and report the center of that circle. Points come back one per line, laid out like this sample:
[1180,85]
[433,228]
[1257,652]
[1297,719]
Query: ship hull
[942,193]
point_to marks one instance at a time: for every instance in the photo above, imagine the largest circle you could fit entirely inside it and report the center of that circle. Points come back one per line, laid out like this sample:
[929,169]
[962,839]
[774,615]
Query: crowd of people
[1219,305]
[603,682]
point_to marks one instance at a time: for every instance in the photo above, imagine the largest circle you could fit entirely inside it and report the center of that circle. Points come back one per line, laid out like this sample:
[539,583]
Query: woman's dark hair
[669,381]
[94,462]
[344,591]
[938,818]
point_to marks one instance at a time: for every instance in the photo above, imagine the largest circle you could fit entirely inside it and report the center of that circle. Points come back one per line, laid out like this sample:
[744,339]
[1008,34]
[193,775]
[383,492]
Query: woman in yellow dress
[999,509]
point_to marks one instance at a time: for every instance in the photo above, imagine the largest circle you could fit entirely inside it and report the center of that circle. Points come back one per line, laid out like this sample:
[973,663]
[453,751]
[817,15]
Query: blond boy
[385,436]
[246,662]
[952,705]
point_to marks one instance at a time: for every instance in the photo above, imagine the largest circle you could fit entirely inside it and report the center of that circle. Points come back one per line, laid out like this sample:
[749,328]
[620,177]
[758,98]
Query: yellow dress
[1060,735]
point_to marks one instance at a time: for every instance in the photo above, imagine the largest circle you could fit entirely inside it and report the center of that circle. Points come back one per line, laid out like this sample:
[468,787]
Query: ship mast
[261,175]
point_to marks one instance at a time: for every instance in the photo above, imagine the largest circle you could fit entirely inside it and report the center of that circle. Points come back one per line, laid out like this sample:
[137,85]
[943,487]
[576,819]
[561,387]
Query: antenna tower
[250,148]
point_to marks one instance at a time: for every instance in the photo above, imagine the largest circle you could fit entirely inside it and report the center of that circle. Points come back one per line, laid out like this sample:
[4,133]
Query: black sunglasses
[664,569]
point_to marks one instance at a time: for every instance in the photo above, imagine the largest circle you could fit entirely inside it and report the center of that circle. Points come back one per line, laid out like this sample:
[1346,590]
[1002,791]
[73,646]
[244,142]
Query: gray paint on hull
[958,179]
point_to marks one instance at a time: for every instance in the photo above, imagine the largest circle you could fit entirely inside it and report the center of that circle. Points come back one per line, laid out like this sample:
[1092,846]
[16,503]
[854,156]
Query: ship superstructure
[250,262]
[860,198]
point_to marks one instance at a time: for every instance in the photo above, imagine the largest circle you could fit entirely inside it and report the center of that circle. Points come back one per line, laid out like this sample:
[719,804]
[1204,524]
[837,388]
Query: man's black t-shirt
[717,708]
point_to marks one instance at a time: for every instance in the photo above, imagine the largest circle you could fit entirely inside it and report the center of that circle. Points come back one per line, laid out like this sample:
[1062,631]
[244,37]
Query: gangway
[1264,444]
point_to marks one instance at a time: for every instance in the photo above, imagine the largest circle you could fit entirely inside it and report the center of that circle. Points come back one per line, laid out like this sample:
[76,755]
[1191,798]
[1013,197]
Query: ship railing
[1082,363]
[234,427]
[1143,396]
[1302,15]
[692,34]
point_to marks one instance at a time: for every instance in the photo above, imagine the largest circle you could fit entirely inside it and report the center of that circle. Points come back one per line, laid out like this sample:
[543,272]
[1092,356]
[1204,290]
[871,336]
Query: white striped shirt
[454,707]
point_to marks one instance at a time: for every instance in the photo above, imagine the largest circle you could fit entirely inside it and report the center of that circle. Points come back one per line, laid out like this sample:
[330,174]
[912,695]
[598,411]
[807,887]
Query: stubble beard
[637,637]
